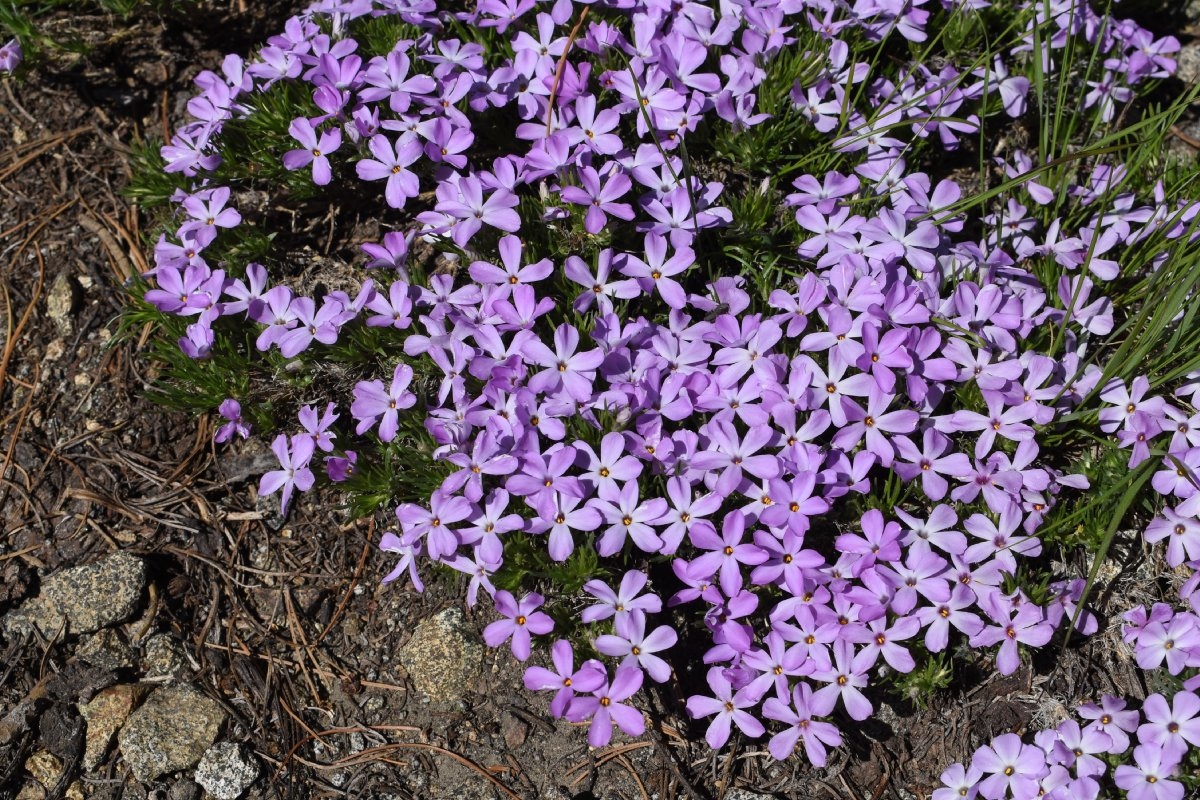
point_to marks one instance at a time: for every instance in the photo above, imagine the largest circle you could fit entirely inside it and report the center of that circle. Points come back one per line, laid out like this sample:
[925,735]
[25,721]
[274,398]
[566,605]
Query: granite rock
[82,599]
[170,731]
[444,656]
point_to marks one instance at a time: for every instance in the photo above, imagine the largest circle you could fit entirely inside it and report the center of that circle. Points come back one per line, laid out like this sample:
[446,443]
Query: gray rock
[82,599]
[443,657]
[164,656]
[1192,11]
[107,650]
[184,789]
[226,771]
[61,302]
[170,731]
[105,714]
[1188,63]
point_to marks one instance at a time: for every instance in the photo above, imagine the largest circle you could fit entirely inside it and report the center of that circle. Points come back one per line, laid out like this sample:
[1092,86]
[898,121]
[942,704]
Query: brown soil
[287,624]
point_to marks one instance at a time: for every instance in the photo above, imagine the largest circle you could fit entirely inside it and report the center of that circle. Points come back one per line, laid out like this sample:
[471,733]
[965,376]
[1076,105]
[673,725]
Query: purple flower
[598,288]
[321,326]
[471,211]
[543,477]
[391,254]
[1025,624]
[565,680]
[486,458]
[798,715]
[601,199]
[930,462]
[231,410]
[1009,765]
[728,706]
[845,677]
[391,543]
[727,552]
[568,515]
[434,523]
[391,163]
[1182,534]
[521,620]
[622,602]
[940,617]
[1171,727]
[10,56]
[733,455]
[997,422]
[959,783]
[638,649]
[513,273]
[1148,778]
[1112,719]
[604,707]
[1176,641]
[629,517]
[373,403]
[313,150]
[318,428]
[294,456]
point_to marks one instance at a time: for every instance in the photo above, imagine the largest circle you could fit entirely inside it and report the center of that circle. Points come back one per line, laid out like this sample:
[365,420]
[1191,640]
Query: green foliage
[149,186]
[934,673]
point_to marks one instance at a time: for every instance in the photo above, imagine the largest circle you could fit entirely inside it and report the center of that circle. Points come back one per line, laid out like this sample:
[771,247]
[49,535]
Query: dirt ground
[286,624]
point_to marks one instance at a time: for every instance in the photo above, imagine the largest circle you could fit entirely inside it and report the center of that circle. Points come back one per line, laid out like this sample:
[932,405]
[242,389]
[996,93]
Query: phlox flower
[729,708]
[935,458]
[231,410]
[600,198]
[294,456]
[469,211]
[959,783]
[938,618]
[391,163]
[312,150]
[598,286]
[318,427]
[521,620]
[487,557]
[636,647]
[511,272]
[623,602]
[1176,641]
[845,677]
[391,543]
[1025,624]
[1173,726]
[1009,765]
[10,55]
[564,678]
[798,715]
[315,325]
[725,554]
[627,516]
[656,271]
[1181,532]
[373,403]
[1148,778]
[1112,719]
[433,523]
[340,469]
[604,707]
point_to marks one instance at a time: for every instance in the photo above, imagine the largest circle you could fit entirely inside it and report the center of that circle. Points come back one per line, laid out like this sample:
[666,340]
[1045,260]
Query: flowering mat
[784,399]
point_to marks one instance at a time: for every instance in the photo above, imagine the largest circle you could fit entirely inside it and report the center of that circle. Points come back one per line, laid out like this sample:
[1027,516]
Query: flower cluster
[1068,761]
[629,401]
